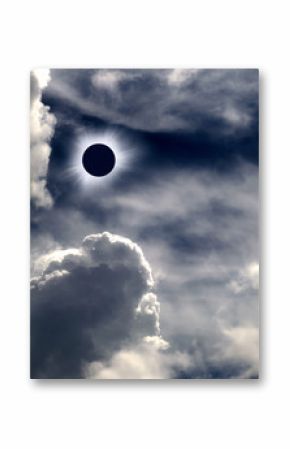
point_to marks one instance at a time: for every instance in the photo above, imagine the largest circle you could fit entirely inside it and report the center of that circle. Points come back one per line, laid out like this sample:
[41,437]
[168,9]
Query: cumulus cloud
[88,304]
[218,101]
[42,123]
[199,231]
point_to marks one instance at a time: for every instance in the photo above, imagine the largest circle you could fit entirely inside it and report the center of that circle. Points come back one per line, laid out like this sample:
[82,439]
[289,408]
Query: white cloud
[111,249]
[108,79]
[247,278]
[42,124]
[149,306]
[42,76]
[243,347]
[148,360]
[136,363]
[177,77]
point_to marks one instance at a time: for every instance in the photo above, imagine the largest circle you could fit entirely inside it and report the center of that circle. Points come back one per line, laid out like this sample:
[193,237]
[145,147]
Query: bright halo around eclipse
[100,158]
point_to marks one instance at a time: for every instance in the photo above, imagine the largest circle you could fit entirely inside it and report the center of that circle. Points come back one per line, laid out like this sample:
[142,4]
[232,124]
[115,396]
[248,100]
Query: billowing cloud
[199,231]
[215,101]
[42,123]
[89,303]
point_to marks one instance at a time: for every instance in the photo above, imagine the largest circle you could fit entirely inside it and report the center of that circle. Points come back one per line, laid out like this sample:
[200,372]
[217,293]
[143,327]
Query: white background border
[219,414]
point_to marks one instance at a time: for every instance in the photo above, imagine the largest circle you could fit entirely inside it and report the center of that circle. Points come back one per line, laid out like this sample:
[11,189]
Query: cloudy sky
[152,271]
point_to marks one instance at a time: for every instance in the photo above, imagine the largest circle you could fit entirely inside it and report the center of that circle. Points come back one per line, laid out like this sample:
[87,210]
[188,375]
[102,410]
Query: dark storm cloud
[89,302]
[223,101]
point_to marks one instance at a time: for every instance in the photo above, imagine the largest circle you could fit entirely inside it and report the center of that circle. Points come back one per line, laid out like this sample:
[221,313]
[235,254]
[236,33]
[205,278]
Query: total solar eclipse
[98,160]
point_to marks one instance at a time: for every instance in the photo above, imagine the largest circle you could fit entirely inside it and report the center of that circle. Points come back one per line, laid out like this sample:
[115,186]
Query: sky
[151,272]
